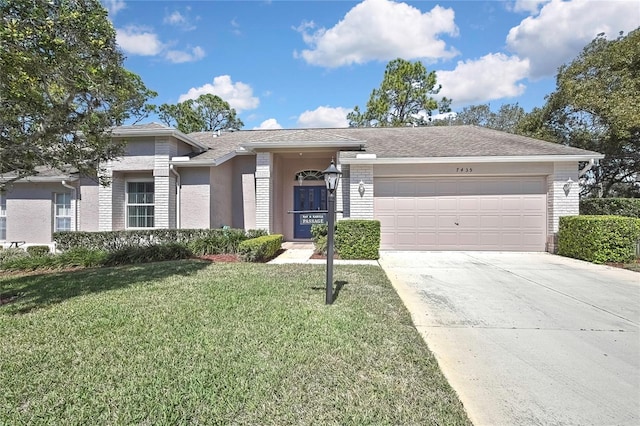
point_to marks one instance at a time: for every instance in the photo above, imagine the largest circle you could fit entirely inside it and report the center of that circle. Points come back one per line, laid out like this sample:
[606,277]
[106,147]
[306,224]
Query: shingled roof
[393,142]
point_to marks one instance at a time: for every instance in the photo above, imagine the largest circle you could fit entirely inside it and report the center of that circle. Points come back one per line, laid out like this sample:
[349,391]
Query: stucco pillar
[563,198]
[361,204]
[264,167]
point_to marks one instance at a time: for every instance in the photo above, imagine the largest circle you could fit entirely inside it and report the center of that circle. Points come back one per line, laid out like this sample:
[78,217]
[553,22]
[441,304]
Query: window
[140,205]
[62,211]
[3,217]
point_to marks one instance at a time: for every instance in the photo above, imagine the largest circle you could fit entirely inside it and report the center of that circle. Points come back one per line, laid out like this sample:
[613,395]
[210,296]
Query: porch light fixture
[567,186]
[361,188]
[331,178]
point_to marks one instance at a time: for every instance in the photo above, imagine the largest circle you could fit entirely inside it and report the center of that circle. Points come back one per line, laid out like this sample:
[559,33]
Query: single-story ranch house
[431,188]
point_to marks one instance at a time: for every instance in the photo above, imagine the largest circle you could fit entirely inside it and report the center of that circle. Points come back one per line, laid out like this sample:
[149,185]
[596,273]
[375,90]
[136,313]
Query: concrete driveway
[528,338]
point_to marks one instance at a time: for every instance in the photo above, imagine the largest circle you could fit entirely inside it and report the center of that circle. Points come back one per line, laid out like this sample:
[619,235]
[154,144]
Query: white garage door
[462,213]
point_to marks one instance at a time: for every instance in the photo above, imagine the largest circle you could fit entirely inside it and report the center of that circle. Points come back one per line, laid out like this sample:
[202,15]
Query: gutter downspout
[178,191]
[75,203]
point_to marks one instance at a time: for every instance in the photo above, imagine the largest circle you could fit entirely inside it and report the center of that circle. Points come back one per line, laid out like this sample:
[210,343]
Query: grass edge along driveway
[189,342]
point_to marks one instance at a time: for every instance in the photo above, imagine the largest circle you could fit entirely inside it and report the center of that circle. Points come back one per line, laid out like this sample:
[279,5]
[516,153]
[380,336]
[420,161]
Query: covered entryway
[462,213]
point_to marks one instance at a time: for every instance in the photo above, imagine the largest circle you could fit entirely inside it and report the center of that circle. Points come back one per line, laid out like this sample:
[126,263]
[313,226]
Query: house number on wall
[464,170]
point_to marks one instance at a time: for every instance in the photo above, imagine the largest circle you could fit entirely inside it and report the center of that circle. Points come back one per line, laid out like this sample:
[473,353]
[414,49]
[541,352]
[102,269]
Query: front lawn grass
[188,342]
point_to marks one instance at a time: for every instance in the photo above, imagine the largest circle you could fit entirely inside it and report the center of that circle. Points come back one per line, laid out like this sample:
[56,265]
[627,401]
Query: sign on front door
[307,198]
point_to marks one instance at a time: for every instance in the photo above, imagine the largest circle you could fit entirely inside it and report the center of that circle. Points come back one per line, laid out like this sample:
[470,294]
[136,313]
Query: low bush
[319,234]
[599,239]
[227,239]
[152,253]
[629,207]
[358,239]
[81,257]
[261,248]
[10,254]
[38,250]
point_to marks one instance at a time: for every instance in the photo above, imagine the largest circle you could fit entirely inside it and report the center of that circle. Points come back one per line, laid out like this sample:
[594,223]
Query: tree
[596,106]
[402,99]
[506,119]
[208,113]
[63,87]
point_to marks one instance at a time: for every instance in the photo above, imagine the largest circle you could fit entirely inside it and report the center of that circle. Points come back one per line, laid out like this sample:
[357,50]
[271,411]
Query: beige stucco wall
[221,190]
[195,196]
[88,209]
[242,165]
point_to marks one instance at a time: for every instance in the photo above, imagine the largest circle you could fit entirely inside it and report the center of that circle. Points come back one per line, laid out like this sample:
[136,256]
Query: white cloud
[239,95]
[138,41]
[324,116]
[271,123]
[180,56]
[114,6]
[493,76]
[562,28]
[529,6]
[379,30]
[179,20]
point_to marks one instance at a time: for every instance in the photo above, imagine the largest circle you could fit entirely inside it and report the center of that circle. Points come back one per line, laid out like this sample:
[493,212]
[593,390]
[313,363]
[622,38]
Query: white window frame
[140,203]
[3,217]
[62,210]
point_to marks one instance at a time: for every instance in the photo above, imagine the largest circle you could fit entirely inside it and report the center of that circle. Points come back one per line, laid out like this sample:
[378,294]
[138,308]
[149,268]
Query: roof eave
[303,145]
[160,132]
[475,159]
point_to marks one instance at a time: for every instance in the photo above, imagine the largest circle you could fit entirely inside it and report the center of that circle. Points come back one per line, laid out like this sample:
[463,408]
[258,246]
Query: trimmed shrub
[358,239]
[153,253]
[226,240]
[319,234]
[599,239]
[261,248]
[38,250]
[629,207]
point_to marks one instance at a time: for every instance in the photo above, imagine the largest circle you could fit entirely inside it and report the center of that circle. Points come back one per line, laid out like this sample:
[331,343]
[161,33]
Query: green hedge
[261,248]
[599,239]
[38,250]
[629,207]
[358,239]
[225,240]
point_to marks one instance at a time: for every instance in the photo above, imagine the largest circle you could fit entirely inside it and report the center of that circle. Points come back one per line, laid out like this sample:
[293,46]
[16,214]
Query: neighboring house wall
[559,202]
[195,198]
[30,212]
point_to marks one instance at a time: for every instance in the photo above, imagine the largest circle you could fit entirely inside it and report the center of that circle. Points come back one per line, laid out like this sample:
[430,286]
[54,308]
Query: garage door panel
[461,213]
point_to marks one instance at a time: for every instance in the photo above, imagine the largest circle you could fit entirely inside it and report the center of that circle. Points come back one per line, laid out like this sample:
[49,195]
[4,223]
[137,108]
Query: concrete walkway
[301,253]
[528,338]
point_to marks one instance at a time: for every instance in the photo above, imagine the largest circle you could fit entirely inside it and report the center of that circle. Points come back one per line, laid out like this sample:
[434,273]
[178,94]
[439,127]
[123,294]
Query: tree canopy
[506,119]
[208,113]
[63,86]
[402,99]
[596,106]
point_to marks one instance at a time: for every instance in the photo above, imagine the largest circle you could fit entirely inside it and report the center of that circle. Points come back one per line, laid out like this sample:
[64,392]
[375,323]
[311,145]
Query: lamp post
[331,178]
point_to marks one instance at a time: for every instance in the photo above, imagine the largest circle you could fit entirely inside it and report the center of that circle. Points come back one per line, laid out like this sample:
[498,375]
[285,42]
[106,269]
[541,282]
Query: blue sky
[291,64]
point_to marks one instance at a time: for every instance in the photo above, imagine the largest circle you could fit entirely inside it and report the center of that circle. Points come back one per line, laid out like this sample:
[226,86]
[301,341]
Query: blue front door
[307,198]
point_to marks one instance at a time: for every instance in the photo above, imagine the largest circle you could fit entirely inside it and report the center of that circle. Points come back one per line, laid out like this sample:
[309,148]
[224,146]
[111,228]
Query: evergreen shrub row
[261,248]
[599,239]
[354,239]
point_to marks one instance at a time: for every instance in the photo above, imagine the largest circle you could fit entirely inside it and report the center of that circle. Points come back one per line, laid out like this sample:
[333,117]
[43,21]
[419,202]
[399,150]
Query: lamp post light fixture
[331,178]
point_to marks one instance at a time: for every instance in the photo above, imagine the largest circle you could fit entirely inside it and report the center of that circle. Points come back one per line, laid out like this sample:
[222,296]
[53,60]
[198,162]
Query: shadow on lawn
[29,292]
[336,289]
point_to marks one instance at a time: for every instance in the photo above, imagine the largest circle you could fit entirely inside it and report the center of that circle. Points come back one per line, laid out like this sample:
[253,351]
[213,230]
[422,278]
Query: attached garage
[462,213]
